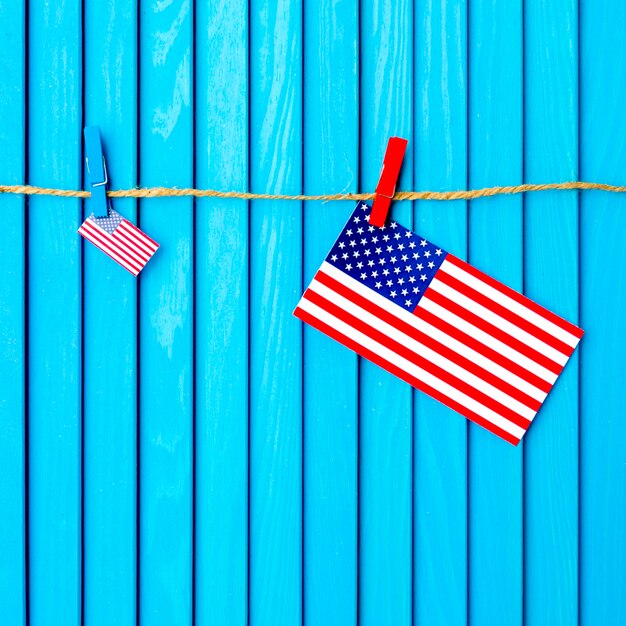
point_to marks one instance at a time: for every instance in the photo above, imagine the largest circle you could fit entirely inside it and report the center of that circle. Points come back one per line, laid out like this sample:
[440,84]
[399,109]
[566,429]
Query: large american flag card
[441,325]
[120,239]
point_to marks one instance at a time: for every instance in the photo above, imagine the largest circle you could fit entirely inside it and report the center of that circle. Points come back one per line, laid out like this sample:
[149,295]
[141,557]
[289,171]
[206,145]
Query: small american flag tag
[120,239]
[439,324]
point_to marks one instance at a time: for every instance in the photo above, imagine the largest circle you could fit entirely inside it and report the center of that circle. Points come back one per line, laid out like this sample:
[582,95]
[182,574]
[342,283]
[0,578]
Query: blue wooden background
[178,449]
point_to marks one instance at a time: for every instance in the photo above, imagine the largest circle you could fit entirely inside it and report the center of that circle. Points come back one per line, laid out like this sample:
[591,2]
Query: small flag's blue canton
[391,260]
[108,223]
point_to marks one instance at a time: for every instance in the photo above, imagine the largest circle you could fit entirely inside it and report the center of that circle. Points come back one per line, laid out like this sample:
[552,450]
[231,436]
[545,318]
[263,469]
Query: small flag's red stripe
[400,373]
[105,240]
[428,341]
[504,313]
[492,330]
[518,297]
[122,238]
[134,235]
[90,237]
[481,348]
[153,244]
[417,359]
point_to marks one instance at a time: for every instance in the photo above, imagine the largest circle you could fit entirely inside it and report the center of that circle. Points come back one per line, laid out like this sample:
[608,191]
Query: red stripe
[428,341]
[481,348]
[400,373]
[492,330]
[141,234]
[124,239]
[505,313]
[416,359]
[90,237]
[140,243]
[518,297]
[122,260]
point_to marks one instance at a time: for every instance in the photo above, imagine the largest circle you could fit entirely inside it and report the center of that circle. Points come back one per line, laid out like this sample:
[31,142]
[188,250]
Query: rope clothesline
[164,192]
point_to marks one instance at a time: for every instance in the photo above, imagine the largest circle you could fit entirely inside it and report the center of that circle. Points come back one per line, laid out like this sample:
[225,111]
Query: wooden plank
[495,153]
[385,442]
[12,320]
[166,316]
[275,335]
[330,371]
[221,287]
[54,316]
[110,318]
[551,278]
[603,301]
[440,439]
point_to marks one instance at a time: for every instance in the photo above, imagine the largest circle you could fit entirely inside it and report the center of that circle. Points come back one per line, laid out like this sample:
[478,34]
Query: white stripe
[119,235]
[428,353]
[487,340]
[474,332]
[508,302]
[116,247]
[89,236]
[139,236]
[395,359]
[499,322]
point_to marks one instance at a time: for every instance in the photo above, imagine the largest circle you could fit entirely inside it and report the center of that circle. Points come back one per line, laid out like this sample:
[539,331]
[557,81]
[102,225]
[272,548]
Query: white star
[363,242]
[408,233]
[423,243]
[407,303]
[385,272]
[364,207]
[405,257]
[370,229]
[408,268]
[400,246]
[374,274]
[344,256]
[357,219]
[379,250]
[342,245]
[363,276]
[396,270]
[352,243]
[356,254]
[431,265]
[366,252]
[333,258]
[400,281]
[416,255]
[385,237]
[420,267]
[359,230]
[404,292]
[438,251]
[370,263]
[378,285]
[349,232]
[412,245]
[389,248]
[416,289]
[348,266]
[374,239]
[396,236]
[393,259]
[382,261]
[389,283]
[412,279]
[393,225]
[423,277]
[393,294]
[427,254]
[359,265]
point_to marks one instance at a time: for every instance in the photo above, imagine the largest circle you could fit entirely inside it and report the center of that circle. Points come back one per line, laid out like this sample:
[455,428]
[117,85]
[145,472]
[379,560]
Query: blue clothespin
[96,171]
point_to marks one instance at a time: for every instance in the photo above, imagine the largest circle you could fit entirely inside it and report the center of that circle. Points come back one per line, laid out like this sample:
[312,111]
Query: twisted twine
[163,192]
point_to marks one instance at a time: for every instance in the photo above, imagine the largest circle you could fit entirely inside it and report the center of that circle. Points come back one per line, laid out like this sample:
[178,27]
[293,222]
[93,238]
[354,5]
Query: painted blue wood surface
[238,467]
[495,566]
[551,277]
[221,330]
[13,492]
[385,410]
[166,317]
[54,317]
[440,437]
[330,384]
[602,253]
[110,314]
[275,389]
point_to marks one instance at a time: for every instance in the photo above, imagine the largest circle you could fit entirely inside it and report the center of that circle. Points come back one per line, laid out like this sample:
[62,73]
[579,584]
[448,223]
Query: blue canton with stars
[392,260]
[109,223]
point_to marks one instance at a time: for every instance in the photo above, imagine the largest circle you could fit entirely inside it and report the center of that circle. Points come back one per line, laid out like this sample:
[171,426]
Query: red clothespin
[388,177]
